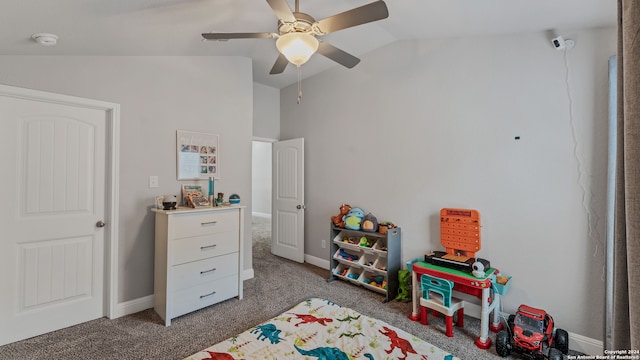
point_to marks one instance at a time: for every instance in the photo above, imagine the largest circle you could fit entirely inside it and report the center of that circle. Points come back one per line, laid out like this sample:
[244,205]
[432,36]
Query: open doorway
[261,190]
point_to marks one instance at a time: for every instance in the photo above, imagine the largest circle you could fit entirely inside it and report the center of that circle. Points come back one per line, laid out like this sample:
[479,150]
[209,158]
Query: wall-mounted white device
[560,43]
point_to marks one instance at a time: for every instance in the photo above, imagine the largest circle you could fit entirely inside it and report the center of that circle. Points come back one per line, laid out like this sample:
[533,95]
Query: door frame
[112,185]
[264,140]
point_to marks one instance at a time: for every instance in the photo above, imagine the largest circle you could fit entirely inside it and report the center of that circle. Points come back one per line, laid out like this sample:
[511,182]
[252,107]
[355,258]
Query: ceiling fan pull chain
[299,84]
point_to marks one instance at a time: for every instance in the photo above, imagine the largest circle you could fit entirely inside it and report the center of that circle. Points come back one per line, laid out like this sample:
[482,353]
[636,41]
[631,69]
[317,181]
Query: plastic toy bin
[340,269]
[353,275]
[381,264]
[380,247]
[352,237]
[367,260]
[350,256]
[368,243]
[367,278]
[502,289]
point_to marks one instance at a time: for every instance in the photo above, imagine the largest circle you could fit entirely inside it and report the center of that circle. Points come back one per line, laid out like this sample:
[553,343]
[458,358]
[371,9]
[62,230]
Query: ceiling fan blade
[280,65]
[228,36]
[341,57]
[374,11]
[282,10]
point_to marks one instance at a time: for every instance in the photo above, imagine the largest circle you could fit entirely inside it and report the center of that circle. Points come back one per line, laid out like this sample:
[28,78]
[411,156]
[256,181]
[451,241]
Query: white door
[287,217]
[52,158]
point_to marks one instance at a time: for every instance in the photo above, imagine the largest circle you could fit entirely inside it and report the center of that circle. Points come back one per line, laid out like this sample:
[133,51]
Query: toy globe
[234,199]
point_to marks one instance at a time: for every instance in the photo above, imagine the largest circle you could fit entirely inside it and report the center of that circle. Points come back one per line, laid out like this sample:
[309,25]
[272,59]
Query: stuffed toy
[338,219]
[369,223]
[385,226]
[353,219]
[404,294]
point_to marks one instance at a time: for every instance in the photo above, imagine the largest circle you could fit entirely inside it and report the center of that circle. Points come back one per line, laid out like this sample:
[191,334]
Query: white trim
[261,215]
[475,310]
[263,139]
[134,306]
[247,274]
[316,261]
[112,166]
[585,345]
[114,206]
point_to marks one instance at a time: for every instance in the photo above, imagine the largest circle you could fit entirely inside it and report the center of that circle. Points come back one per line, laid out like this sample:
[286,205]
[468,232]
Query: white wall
[266,111]
[426,124]
[158,95]
[266,128]
[261,178]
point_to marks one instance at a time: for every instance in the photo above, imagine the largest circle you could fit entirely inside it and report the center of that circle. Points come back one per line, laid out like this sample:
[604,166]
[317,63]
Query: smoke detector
[45,39]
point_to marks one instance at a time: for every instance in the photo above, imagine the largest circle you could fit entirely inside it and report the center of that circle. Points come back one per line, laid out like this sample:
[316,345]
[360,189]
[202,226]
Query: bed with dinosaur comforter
[320,329]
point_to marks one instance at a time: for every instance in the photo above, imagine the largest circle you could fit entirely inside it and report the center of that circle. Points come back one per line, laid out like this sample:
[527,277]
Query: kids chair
[436,295]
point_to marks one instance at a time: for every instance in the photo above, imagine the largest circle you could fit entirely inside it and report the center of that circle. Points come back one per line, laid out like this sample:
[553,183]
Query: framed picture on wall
[198,155]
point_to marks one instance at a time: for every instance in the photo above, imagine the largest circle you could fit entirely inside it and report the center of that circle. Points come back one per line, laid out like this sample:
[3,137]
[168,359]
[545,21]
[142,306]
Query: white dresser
[198,258]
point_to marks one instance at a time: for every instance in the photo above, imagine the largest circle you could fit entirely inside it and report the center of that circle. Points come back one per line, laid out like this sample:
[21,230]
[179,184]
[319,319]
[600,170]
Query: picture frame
[197,155]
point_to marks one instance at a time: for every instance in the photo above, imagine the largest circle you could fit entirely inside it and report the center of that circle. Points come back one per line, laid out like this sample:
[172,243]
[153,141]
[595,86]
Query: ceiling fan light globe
[297,47]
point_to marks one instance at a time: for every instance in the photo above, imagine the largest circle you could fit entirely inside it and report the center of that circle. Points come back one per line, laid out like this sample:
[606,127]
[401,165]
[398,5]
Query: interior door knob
[301,207]
[100,224]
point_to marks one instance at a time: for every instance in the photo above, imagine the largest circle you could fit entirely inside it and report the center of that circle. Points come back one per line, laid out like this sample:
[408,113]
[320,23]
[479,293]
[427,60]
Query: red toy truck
[531,333]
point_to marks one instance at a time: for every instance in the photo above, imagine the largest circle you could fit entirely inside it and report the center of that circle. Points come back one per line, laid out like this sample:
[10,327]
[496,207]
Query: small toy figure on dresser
[337,219]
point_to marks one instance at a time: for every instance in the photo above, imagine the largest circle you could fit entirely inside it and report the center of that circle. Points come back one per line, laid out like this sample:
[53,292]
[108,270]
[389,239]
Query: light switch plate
[153,181]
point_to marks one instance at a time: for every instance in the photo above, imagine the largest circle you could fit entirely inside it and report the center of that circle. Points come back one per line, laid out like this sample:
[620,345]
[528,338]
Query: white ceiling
[173,27]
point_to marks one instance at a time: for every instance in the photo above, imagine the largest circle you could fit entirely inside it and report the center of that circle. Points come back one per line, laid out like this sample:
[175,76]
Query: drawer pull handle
[207,271]
[208,247]
[209,223]
[206,295]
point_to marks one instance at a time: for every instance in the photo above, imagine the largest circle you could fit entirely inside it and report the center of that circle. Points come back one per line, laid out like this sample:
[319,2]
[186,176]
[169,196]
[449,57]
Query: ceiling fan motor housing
[304,23]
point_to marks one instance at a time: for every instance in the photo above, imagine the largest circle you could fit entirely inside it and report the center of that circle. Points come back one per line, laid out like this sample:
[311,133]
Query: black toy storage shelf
[367,259]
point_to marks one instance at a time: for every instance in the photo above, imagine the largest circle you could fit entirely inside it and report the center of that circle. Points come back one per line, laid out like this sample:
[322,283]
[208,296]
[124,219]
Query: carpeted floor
[278,285]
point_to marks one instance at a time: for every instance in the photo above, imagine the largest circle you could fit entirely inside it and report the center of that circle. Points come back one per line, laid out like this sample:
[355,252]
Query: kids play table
[465,283]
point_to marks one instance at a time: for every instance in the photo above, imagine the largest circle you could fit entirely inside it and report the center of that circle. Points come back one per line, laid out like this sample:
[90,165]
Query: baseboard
[316,261]
[262,215]
[585,345]
[247,274]
[134,306]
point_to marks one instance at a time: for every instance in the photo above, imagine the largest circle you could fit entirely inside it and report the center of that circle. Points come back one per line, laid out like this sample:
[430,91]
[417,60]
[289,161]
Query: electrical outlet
[324,244]
[153,181]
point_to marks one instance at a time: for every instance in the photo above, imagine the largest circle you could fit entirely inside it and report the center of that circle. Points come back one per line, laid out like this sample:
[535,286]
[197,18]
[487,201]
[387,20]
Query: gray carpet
[278,285]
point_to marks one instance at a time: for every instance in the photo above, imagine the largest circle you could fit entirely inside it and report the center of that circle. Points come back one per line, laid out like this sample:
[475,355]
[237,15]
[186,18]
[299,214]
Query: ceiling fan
[297,37]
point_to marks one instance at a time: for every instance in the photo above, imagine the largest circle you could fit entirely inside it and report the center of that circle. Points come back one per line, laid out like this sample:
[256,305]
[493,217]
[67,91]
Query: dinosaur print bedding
[320,329]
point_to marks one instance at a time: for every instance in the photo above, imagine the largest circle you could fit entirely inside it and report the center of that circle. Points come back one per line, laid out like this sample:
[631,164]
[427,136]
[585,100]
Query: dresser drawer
[199,272]
[202,247]
[193,298]
[203,223]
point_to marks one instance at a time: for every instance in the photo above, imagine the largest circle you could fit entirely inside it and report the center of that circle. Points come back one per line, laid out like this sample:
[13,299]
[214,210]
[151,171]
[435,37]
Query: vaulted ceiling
[174,27]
